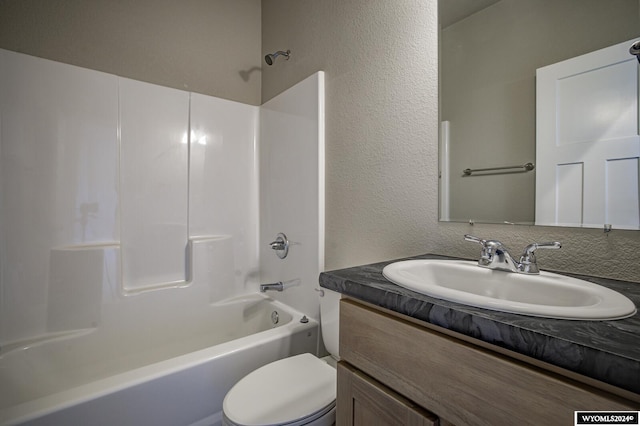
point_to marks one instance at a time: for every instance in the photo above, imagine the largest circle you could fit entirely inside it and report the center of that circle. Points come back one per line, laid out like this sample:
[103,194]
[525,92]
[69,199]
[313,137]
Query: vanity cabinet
[365,402]
[394,365]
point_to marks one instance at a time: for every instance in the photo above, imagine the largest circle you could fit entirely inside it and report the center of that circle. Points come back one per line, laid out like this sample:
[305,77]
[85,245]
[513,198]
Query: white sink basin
[546,295]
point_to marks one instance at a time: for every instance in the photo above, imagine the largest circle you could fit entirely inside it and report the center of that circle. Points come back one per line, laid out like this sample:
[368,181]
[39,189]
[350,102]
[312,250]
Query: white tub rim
[63,399]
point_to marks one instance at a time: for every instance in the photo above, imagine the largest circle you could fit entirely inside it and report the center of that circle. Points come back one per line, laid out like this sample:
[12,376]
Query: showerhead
[272,56]
[635,49]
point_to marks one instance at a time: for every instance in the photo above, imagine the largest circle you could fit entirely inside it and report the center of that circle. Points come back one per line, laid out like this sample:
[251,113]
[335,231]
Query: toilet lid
[282,392]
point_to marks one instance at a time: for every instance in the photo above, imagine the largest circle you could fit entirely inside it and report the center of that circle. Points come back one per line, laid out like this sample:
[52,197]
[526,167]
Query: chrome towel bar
[526,168]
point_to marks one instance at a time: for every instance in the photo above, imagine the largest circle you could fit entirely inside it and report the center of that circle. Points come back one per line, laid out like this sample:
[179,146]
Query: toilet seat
[292,391]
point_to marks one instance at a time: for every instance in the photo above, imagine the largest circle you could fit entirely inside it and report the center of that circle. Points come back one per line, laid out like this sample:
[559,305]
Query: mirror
[489,51]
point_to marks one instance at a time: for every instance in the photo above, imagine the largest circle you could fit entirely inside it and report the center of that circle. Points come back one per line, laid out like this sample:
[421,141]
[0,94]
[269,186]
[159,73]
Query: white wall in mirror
[488,62]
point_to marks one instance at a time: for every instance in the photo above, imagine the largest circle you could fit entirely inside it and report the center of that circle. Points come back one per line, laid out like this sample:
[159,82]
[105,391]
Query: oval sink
[546,295]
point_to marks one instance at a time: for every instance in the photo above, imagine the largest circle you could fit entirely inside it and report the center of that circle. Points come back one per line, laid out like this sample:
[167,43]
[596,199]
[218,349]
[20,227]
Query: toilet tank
[329,319]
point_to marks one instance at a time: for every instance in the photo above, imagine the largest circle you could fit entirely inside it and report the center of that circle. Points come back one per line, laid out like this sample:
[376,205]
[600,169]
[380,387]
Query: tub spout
[279,286]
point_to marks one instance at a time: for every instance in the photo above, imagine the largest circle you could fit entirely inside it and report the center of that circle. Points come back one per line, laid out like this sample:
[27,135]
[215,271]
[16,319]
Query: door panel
[587,141]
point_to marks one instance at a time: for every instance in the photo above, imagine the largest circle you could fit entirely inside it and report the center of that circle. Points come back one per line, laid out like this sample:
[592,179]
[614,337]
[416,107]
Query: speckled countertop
[608,351]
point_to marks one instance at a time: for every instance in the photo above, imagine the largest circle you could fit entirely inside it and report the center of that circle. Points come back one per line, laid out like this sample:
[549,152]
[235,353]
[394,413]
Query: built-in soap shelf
[83,278]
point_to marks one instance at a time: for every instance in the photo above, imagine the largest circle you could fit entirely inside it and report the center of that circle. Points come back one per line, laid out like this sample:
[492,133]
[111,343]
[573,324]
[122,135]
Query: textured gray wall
[380,60]
[204,46]
[380,63]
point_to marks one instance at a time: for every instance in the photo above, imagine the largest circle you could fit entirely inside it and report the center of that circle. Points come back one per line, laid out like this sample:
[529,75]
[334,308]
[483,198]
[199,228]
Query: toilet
[294,391]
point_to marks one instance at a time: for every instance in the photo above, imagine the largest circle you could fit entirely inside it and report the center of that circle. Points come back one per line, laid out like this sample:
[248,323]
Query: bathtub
[175,373]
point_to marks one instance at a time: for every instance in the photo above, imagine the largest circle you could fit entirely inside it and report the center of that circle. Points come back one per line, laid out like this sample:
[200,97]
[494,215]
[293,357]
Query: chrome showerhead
[635,49]
[272,56]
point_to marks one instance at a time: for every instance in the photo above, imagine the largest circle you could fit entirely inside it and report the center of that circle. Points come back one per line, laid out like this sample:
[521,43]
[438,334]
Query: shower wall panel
[292,190]
[58,177]
[223,183]
[154,124]
[110,187]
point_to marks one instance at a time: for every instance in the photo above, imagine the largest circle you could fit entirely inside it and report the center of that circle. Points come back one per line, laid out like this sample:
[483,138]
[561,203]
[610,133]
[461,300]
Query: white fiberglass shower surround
[134,223]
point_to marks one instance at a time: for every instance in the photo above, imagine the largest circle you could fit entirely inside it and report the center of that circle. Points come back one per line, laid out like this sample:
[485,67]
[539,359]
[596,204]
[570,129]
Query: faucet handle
[528,262]
[486,251]
[281,245]
[489,247]
[534,246]
[493,253]
[474,239]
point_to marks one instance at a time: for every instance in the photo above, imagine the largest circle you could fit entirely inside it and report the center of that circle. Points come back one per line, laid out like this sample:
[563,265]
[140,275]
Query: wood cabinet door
[362,401]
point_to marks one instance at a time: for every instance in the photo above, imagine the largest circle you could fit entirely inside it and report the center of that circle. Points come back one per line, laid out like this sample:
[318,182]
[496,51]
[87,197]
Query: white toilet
[299,390]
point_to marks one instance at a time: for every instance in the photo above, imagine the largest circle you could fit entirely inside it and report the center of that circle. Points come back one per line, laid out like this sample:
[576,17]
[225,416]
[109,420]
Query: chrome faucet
[495,255]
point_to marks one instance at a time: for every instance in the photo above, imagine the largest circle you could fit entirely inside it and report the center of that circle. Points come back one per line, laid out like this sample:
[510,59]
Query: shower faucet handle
[278,245]
[281,245]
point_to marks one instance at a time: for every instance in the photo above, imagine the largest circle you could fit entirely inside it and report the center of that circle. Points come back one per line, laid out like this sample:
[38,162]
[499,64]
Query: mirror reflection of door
[587,141]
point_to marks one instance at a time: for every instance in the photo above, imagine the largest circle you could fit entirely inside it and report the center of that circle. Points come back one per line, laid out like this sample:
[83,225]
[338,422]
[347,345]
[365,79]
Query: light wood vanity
[396,370]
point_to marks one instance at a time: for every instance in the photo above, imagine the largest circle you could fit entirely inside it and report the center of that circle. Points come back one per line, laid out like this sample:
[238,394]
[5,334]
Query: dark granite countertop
[608,351]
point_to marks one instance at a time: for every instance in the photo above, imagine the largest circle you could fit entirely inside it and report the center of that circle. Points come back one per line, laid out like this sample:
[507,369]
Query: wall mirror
[493,113]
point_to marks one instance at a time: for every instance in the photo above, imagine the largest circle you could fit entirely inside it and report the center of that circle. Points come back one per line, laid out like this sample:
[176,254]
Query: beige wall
[382,137]
[204,46]
[380,59]
[488,64]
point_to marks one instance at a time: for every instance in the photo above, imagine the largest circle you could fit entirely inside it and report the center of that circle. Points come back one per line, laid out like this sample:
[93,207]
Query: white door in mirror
[587,143]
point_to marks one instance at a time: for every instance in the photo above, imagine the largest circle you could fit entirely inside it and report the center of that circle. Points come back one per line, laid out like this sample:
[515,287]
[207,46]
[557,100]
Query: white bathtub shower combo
[136,222]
